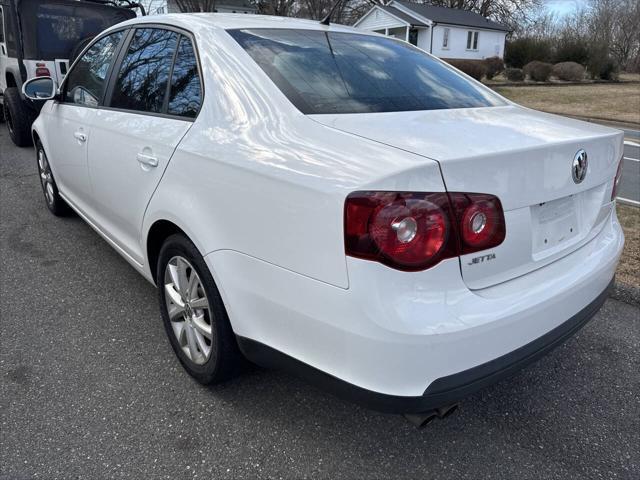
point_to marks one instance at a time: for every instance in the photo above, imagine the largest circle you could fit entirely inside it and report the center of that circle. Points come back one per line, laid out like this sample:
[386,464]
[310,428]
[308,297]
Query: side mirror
[40,88]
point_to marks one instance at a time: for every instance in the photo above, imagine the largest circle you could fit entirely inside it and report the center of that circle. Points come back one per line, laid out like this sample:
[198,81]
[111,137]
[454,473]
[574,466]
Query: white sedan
[334,202]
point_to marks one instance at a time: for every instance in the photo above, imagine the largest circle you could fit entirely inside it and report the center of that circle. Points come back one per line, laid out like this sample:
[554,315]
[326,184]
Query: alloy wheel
[189,310]
[46,178]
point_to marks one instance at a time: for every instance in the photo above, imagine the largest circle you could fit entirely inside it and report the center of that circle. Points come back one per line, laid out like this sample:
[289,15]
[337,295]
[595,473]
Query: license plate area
[554,225]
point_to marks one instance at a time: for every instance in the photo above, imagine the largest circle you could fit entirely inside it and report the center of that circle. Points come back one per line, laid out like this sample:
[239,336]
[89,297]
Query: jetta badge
[579,166]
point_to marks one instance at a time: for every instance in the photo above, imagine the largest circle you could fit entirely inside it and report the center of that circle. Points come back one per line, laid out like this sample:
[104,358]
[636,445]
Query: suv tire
[18,117]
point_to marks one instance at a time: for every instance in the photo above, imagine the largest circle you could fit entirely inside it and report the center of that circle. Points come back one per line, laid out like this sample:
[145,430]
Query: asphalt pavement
[91,389]
[629,188]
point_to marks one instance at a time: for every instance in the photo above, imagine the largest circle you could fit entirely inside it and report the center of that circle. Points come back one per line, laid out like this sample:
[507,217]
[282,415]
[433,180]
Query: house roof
[452,16]
[403,16]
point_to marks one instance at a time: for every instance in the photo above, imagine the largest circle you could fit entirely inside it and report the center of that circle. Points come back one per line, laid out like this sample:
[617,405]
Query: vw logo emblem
[579,166]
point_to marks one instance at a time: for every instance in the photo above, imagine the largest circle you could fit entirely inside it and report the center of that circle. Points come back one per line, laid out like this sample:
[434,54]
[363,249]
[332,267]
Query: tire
[52,197]
[2,112]
[188,325]
[18,117]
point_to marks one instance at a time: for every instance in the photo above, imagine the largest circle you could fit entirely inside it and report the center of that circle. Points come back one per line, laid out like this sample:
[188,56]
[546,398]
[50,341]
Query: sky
[564,7]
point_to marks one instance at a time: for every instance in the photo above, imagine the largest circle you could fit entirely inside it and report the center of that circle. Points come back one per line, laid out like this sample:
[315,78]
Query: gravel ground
[90,387]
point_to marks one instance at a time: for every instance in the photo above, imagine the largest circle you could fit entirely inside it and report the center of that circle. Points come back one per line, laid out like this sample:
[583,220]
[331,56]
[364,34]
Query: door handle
[81,137]
[148,160]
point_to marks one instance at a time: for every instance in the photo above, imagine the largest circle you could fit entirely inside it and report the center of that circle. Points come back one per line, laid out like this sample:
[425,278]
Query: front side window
[85,84]
[472,40]
[331,72]
[185,95]
[141,83]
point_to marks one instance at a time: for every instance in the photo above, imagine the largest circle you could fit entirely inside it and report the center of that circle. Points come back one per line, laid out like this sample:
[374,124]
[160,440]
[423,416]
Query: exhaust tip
[444,412]
[421,420]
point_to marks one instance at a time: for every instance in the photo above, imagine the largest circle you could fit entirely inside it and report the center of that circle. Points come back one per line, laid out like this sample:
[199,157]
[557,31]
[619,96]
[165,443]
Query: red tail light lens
[616,181]
[42,70]
[414,231]
[480,219]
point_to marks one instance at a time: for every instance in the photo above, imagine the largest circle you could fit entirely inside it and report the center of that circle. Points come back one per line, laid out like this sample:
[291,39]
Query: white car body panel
[64,121]
[522,156]
[260,190]
[396,332]
[122,186]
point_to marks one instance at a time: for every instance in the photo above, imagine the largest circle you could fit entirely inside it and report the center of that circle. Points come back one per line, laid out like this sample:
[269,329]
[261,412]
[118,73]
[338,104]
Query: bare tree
[509,12]
[151,6]
[281,8]
[196,5]
[615,24]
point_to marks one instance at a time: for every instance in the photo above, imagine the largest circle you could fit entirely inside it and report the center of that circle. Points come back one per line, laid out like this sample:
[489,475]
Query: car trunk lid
[524,158]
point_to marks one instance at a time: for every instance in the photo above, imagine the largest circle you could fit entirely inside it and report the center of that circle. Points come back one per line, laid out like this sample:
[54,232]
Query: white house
[444,32]
[222,6]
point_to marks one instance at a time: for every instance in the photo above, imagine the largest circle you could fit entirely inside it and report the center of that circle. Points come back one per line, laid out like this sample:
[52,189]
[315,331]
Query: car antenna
[327,19]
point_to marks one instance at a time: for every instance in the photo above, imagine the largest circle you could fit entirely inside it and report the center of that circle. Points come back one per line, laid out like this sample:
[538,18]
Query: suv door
[153,98]
[69,121]
[3,57]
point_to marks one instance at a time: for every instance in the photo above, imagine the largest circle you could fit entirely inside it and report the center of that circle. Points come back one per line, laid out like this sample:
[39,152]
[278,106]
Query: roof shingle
[452,16]
[403,16]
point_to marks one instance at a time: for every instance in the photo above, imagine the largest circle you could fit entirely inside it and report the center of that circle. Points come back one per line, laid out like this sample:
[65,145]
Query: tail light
[480,221]
[42,70]
[616,181]
[414,231]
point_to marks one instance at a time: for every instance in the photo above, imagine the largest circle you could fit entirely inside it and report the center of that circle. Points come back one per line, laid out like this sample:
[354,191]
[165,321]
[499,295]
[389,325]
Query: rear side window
[86,82]
[143,78]
[186,91]
[330,72]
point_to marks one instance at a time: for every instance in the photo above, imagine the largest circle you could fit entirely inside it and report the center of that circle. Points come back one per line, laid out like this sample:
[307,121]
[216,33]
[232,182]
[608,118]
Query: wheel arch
[159,231]
[35,136]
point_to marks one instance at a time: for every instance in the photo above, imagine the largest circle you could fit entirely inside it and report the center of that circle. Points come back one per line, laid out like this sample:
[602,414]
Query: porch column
[386,32]
[406,37]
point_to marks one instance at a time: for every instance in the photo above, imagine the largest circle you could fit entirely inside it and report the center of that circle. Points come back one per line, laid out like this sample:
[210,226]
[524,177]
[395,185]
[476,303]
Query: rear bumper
[444,390]
[406,342]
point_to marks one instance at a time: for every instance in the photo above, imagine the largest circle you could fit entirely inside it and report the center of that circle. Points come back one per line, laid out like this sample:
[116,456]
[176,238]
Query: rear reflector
[43,72]
[414,231]
[616,181]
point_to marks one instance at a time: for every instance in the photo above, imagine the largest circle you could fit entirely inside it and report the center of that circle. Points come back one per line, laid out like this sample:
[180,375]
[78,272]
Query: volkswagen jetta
[331,201]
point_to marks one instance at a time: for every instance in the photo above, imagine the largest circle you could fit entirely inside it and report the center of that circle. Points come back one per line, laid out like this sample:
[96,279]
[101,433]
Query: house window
[472,40]
[445,38]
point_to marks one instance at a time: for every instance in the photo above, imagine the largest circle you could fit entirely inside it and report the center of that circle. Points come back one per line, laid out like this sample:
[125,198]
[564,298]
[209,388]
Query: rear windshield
[50,30]
[330,72]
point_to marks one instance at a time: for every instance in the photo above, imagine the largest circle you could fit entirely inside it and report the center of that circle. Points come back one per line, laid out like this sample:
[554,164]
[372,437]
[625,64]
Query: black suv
[39,39]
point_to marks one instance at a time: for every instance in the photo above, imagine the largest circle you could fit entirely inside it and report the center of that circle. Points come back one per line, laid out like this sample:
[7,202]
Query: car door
[69,120]
[151,105]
